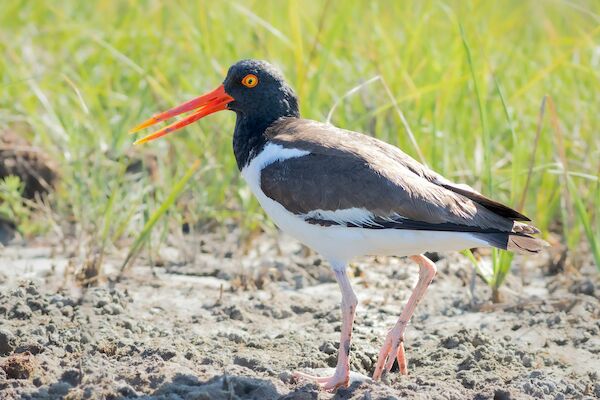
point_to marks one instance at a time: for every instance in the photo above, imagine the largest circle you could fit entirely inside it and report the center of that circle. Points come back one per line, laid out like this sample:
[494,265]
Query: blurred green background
[469,76]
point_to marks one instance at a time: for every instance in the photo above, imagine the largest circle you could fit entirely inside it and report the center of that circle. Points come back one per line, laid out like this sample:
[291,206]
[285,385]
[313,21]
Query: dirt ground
[213,323]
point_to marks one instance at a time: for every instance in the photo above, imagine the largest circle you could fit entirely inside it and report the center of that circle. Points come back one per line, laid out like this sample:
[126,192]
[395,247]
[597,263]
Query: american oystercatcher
[345,194]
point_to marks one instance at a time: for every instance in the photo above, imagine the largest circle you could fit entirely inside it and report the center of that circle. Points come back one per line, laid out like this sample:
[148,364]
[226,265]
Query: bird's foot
[329,383]
[393,348]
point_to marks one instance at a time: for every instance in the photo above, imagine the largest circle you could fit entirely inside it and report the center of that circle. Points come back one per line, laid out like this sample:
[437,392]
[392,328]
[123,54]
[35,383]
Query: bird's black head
[259,91]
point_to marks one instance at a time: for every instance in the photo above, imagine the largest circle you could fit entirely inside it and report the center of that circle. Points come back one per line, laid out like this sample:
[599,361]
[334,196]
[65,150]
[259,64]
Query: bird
[345,195]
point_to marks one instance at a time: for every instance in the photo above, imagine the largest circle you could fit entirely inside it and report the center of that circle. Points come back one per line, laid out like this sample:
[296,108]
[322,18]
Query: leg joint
[427,267]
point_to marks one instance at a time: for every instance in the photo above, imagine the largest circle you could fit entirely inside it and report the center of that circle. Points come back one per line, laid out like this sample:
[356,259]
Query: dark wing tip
[492,205]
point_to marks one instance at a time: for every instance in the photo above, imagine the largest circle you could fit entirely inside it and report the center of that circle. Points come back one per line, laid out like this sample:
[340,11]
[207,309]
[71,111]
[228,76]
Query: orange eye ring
[250,80]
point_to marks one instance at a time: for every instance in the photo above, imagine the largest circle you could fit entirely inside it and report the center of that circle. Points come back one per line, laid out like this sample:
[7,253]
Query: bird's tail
[525,244]
[520,240]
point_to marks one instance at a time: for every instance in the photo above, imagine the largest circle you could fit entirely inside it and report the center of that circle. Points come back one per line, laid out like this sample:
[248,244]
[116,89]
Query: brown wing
[346,170]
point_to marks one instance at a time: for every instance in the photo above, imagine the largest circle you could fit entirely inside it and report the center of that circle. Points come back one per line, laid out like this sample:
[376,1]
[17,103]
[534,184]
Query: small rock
[32,289]
[127,391]
[166,355]
[248,362]
[7,342]
[236,338]
[501,394]
[67,311]
[59,389]
[536,374]
[234,313]
[328,348]
[100,303]
[286,377]
[450,342]
[585,286]
[116,309]
[21,311]
[128,324]
[85,338]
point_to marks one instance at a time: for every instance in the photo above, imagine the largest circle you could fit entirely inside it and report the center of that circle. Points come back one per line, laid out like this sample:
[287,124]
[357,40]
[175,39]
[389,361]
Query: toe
[311,378]
[383,354]
[328,383]
[402,364]
[336,383]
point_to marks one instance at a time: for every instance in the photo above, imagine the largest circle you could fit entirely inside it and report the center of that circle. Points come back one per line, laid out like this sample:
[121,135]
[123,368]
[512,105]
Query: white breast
[339,243]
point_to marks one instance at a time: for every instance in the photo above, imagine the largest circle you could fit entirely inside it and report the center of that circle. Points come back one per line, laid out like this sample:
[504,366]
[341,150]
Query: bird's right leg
[341,375]
[393,348]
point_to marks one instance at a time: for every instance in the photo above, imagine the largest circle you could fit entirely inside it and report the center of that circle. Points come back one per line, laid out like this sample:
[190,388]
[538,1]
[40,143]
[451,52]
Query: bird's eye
[250,80]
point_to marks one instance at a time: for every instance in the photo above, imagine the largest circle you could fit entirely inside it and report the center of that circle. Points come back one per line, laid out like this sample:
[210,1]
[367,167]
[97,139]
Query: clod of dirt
[19,366]
[35,169]
[584,286]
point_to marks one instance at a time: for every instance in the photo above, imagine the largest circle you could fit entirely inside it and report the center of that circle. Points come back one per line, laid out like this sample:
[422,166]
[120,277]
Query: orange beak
[202,106]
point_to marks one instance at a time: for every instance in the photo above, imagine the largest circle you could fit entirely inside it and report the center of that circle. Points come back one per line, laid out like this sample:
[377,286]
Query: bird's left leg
[393,348]
[341,375]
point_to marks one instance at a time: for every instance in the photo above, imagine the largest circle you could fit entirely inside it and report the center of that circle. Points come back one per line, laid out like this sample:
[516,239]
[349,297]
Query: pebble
[59,389]
[21,311]
[7,342]
[585,286]
[450,342]
[536,374]
[328,348]
[527,361]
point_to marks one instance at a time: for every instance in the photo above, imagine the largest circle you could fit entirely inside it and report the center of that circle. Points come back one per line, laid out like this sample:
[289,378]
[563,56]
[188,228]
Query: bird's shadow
[221,387]
[237,387]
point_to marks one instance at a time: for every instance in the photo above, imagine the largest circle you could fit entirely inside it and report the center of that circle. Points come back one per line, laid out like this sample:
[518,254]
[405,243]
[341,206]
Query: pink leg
[342,370]
[393,347]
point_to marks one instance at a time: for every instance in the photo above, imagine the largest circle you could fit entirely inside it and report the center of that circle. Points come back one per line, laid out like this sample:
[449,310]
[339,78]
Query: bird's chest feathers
[270,154]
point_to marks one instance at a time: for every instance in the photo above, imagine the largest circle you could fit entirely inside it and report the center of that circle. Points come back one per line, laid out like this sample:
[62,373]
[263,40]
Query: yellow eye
[250,80]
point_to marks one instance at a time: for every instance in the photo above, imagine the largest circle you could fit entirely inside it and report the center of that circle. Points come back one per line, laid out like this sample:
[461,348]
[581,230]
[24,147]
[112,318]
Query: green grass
[468,76]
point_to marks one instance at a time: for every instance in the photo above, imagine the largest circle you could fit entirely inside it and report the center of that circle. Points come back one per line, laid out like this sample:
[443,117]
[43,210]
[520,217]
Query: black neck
[248,139]
[249,136]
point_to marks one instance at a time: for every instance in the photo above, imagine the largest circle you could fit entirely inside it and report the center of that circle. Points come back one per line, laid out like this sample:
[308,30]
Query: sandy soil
[211,323]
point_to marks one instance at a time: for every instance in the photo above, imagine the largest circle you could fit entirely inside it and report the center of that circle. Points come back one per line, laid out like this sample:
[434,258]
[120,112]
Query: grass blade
[585,218]
[147,229]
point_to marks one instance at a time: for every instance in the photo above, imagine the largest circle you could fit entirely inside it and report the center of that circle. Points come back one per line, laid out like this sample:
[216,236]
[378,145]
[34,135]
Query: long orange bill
[202,106]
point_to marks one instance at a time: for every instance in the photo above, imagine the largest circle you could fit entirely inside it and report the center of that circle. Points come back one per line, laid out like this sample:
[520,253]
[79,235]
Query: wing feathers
[349,171]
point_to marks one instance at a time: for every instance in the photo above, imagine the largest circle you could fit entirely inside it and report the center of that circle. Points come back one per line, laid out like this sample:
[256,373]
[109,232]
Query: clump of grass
[144,234]
[589,221]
